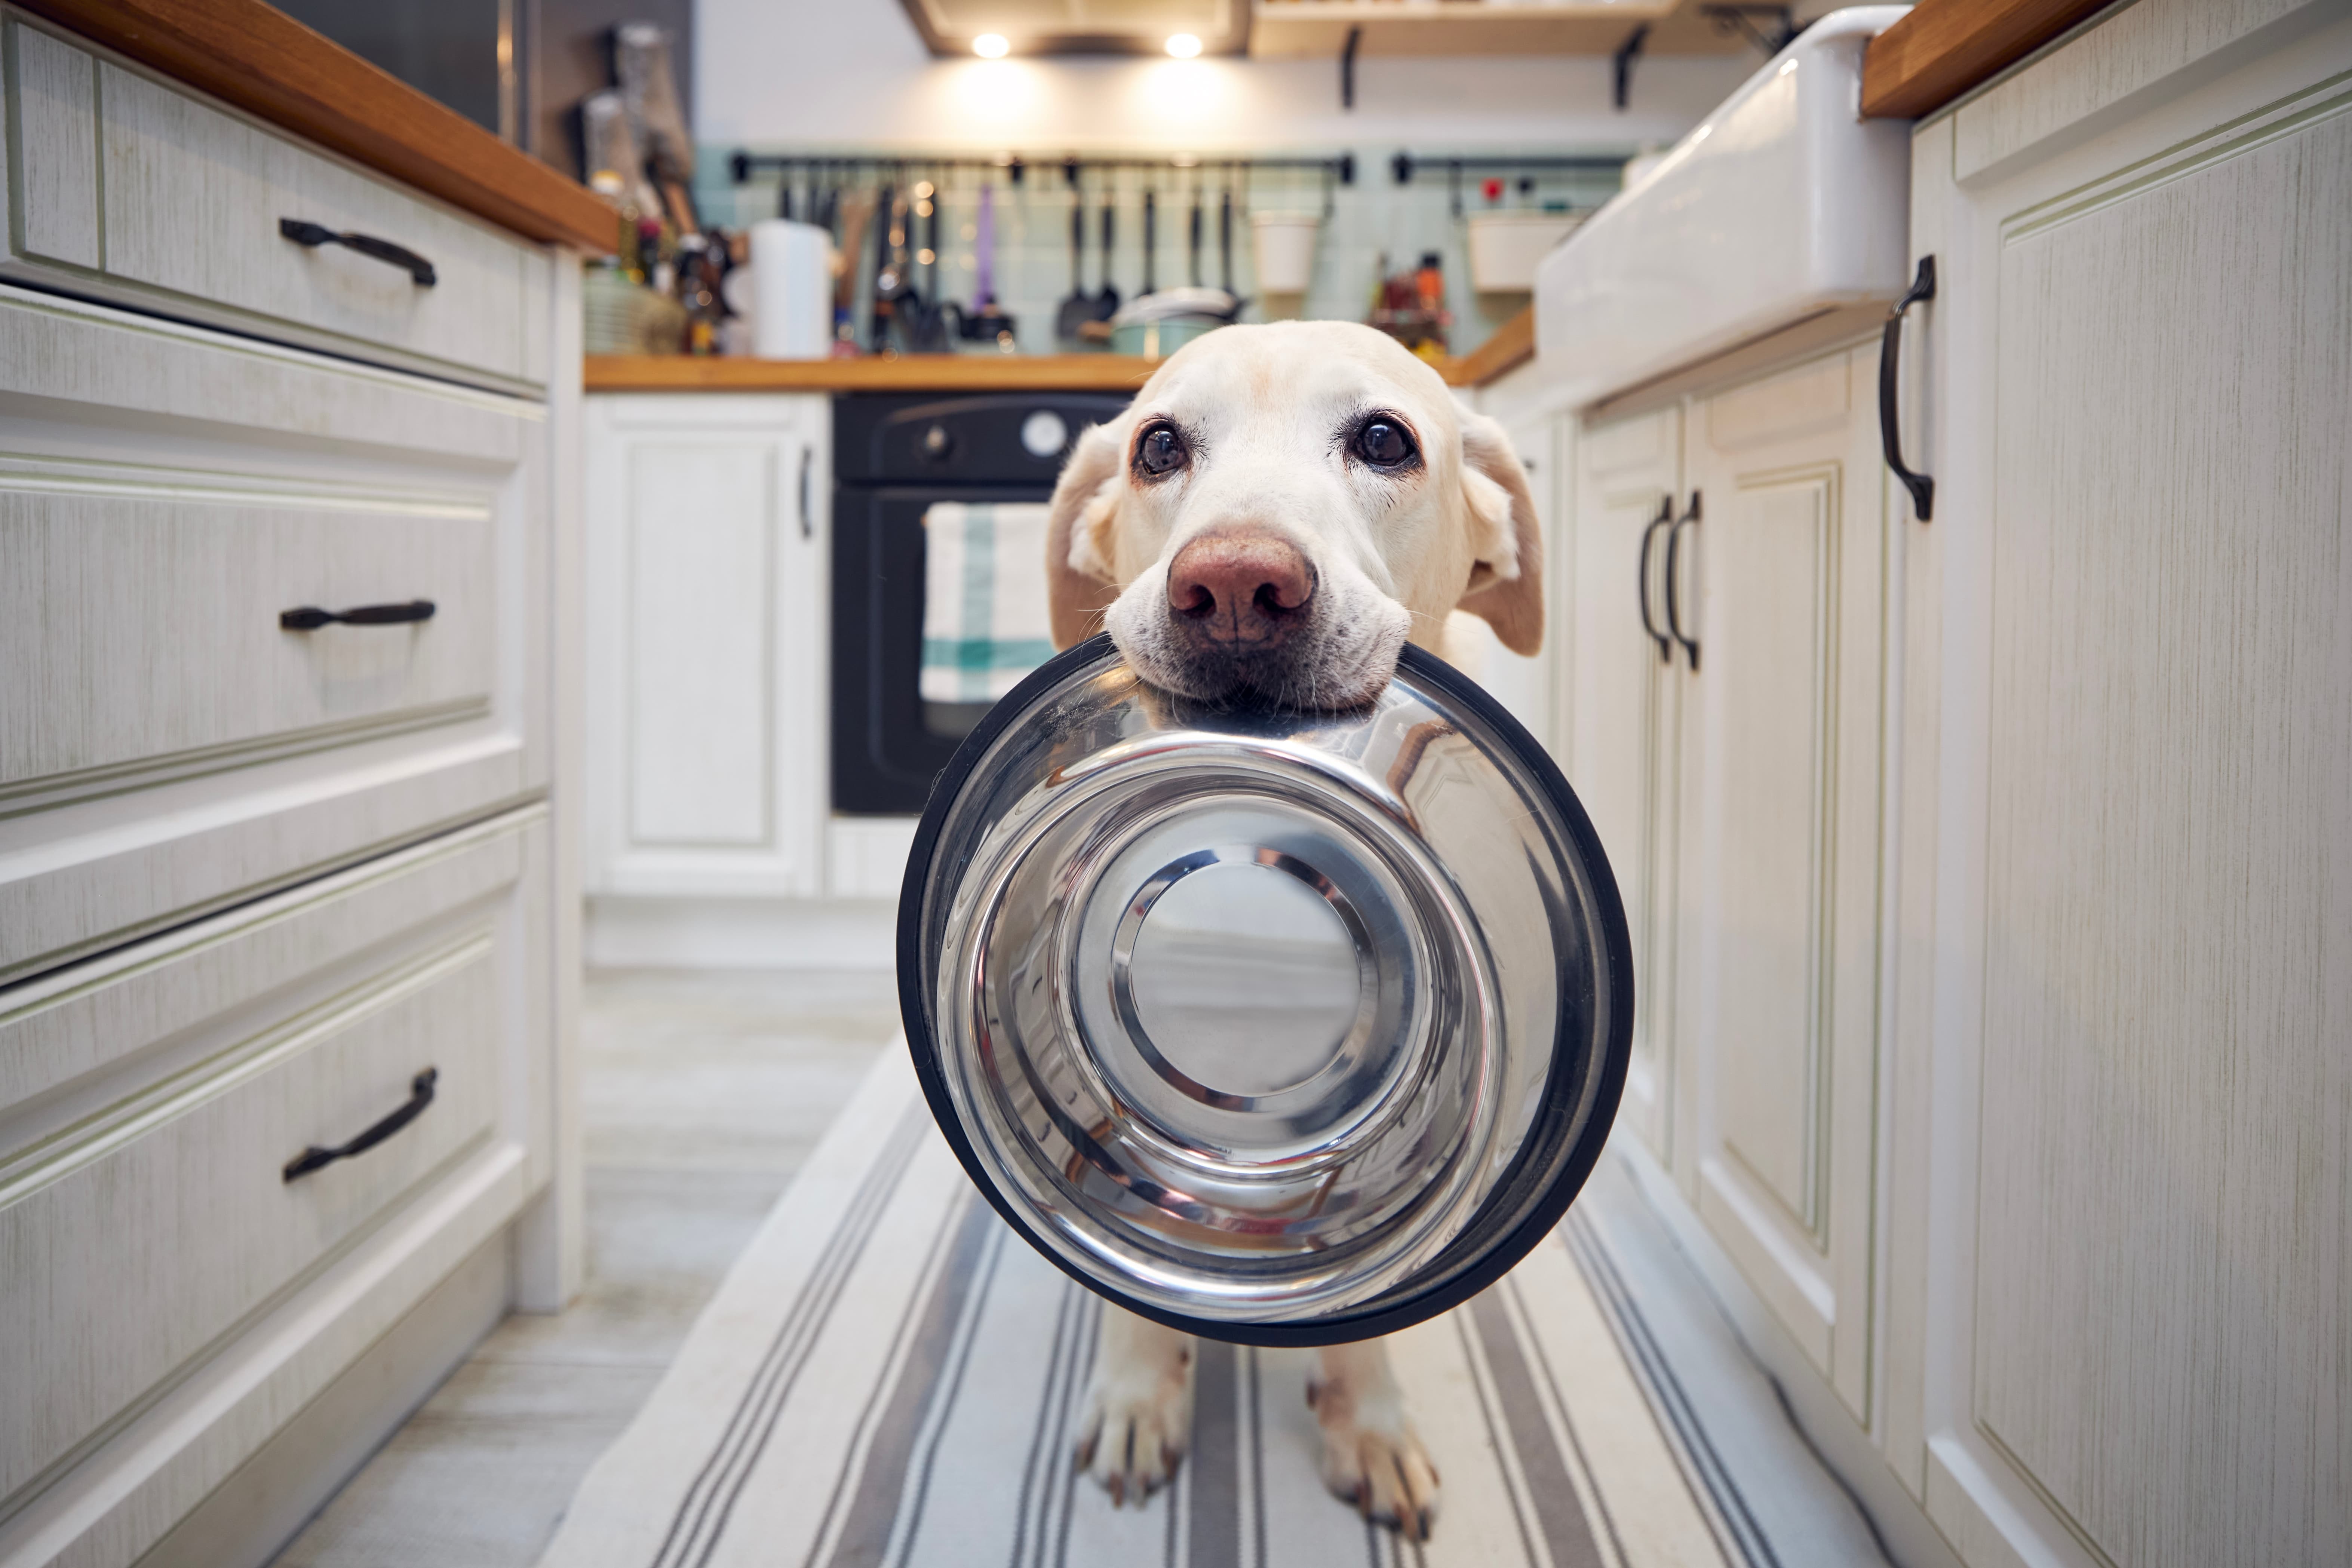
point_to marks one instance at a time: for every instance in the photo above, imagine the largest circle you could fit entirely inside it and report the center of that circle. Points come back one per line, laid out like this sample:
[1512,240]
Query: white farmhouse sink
[1782,203]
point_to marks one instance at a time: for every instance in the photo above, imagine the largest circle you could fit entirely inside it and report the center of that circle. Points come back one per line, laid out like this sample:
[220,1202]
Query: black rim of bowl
[1562,1091]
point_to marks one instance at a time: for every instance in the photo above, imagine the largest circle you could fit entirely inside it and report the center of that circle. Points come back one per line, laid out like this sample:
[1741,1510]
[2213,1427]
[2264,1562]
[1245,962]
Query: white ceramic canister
[791,291]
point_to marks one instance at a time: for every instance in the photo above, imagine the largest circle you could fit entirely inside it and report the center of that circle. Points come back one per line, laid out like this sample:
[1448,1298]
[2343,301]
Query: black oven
[893,456]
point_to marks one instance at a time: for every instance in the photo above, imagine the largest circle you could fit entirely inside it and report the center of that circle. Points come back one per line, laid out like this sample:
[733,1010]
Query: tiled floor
[703,1093]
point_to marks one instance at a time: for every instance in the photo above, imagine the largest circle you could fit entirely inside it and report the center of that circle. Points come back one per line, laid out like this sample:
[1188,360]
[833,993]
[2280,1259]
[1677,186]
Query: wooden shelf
[1319,29]
[267,64]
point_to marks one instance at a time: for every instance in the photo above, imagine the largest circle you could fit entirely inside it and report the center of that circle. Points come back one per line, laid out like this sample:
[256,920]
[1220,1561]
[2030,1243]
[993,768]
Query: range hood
[1081,26]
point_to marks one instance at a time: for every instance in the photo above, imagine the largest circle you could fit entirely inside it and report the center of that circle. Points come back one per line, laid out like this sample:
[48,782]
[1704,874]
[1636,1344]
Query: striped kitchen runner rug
[889,1379]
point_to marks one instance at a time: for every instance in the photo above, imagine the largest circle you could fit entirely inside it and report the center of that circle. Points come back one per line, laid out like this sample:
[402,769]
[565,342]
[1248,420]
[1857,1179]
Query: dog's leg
[1139,1410]
[1371,1456]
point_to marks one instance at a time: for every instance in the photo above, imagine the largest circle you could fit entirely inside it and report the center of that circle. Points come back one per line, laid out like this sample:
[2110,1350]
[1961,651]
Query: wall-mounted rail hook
[1620,65]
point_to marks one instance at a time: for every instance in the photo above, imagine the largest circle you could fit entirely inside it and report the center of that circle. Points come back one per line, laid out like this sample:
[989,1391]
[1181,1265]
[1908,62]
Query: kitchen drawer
[145,1215]
[140,616]
[158,195]
[166,491]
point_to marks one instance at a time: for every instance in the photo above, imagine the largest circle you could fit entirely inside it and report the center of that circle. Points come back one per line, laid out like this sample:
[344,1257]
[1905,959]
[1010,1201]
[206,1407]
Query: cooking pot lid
[1282,1028]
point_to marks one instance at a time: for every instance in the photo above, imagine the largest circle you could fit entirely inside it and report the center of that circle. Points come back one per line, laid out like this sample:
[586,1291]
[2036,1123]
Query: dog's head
[1282,509]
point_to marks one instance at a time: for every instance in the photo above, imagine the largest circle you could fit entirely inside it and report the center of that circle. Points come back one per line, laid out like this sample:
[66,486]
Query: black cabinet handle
[1641,585]
[1673,610]
[419,270]
[1890,433]
[420,1096]
[309,617]
[808,525]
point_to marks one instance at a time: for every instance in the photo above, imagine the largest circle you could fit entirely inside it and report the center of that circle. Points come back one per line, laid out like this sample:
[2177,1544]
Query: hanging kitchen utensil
[931,205]
[1193,245]
[1105,303]
[927,323]
[856,221]
[983,250]
[890,260]
[1226,234]
[1151,236]
[1077,308]
[1279,1027]
[985,321]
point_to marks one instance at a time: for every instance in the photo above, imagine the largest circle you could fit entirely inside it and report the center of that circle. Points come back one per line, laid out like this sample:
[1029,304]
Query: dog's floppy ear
[1078,582]
[1506,583]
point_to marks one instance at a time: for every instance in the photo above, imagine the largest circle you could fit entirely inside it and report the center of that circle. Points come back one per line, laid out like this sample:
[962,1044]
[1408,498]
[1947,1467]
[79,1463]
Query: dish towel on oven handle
[986,621]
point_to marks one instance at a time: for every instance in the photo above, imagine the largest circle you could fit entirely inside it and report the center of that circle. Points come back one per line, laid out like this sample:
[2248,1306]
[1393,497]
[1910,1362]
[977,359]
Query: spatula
[1150,239]
[1105,303]
[1076,310]
[1193,245]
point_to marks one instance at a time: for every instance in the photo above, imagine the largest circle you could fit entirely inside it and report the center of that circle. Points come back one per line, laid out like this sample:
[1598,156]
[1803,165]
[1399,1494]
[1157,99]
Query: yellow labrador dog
[1277,513]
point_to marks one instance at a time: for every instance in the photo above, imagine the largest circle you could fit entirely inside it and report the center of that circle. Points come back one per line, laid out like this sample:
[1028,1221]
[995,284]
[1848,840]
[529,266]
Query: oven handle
[808,525]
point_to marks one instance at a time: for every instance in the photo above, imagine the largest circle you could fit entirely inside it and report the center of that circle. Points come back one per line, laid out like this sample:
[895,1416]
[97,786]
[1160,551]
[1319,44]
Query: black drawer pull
[1890,435]
[418,269]
[309,617]
[1674,608]
[1642,571]
[420,1096]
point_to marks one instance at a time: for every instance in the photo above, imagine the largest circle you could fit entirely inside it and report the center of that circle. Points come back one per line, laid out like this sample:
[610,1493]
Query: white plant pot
[1505,247]
[1285,244]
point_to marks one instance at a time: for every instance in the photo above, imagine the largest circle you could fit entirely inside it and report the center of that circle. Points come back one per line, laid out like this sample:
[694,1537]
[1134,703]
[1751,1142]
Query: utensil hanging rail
[1404,166]
[1342,168]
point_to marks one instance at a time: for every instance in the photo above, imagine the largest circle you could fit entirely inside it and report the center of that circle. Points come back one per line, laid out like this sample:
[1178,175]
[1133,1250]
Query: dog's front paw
[1373,1458]
[1138,1414]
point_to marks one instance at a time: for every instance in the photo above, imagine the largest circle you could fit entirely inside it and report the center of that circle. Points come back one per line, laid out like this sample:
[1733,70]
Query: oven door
[889,744]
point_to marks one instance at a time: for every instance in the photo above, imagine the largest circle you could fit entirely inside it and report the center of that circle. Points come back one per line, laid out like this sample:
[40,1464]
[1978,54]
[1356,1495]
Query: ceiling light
[993,47]
[1183,46]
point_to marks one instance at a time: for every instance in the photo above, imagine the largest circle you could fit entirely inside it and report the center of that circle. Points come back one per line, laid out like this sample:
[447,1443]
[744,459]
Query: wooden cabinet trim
[1943,47]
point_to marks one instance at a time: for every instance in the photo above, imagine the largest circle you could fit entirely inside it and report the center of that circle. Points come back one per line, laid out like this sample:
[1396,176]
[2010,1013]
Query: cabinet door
[1623,756]
[1784,568]
[2141,976]
[707,632]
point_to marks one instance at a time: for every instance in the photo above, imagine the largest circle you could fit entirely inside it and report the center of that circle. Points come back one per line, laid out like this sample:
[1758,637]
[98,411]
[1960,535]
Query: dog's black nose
[1238,592]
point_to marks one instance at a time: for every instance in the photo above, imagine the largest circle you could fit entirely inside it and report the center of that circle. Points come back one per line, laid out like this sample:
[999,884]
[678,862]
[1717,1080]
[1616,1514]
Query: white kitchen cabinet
[2128,850]
[1727,542]
[1784,560]
[707,529]
[1624,751]
[268,874]
[1729,649]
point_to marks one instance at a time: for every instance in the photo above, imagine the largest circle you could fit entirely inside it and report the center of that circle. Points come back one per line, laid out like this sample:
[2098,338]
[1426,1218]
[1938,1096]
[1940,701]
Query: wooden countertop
[1943,47]
[1512,343]
[267,64]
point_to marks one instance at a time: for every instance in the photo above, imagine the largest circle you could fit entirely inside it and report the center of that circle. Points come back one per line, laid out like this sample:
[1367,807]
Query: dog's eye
[1384,443]
[1161,451]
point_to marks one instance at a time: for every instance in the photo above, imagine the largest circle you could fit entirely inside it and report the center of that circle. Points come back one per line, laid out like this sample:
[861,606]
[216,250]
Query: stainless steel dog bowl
[1281,1027]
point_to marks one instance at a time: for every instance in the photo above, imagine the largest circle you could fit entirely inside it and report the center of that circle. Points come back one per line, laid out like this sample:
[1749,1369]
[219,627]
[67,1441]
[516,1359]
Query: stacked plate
[1277,1027]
